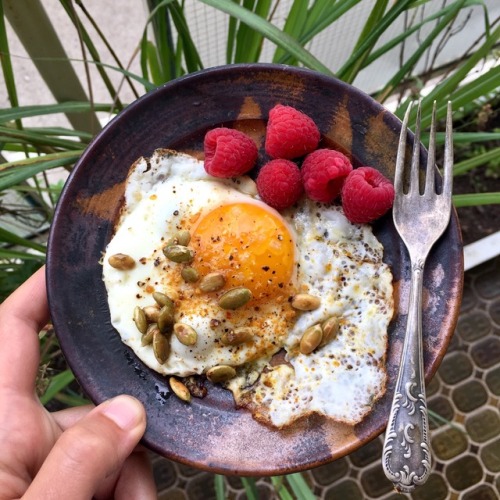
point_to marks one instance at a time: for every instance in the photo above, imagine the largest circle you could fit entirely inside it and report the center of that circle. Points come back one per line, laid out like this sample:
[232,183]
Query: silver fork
[420,220]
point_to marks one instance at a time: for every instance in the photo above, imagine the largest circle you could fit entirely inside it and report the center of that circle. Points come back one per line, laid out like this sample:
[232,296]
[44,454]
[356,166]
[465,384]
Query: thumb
[90,451]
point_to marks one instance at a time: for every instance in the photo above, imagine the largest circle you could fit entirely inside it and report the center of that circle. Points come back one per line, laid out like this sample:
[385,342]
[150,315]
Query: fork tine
[448,154]
[400,160]
[415,160]
[431,156]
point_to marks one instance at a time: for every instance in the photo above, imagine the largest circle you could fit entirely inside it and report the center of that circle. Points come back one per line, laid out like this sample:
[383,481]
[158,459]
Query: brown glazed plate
[210,433]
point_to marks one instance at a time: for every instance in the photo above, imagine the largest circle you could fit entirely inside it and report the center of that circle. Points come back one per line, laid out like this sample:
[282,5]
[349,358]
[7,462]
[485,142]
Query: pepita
[330,330]
[212,282]
[190,274]
[220,373]
[147,338]
[237,336]
[185,334]
[161,347]
[140,320]
[180,390]
[183,237]
[305,302]
[121,261]
[311,339]
[235,298]
[163,300]
[165,319]
[152,313]
[179,254]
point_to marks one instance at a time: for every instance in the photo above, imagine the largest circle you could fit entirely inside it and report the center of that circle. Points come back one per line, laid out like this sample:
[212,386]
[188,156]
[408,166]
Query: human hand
[79,453]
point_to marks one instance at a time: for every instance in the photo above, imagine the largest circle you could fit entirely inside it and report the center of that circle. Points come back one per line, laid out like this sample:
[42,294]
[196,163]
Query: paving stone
[474,325]
[435,488]
[455,368]
[493,381]
[483,492]
[327,474]
[490,456]
[483,425]
[442,407]
[486,353]
[201,486]
[494,311]
[487,283]
[164,473]
[346,490]
[469,396]
[464,472]
[367,454]
[374,482]
[449,443]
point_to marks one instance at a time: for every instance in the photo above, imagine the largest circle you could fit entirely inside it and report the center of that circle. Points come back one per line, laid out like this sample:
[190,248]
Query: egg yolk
[249,244]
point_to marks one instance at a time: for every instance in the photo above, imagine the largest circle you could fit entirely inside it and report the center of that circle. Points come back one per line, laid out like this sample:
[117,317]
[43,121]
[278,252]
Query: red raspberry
[228,152]
[323,173]
[279,183]
[366,195]
[290,133]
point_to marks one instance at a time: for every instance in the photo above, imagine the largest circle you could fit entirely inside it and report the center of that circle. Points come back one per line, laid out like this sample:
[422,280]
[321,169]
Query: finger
[71,416]
[135,481]
[22,316]
[90,451]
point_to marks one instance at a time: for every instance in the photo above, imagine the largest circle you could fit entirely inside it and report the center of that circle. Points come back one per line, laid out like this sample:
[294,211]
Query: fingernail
[125,411]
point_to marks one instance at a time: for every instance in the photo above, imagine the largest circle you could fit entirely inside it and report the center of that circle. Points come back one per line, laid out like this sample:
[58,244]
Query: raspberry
[228,152]
[279,183]
[290,133]
[323,173]
[366,195]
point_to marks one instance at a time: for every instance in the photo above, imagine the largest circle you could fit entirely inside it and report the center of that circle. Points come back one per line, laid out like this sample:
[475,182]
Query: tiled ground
[465,392]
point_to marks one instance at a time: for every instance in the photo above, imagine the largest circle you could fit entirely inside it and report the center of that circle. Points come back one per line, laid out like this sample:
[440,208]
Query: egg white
[337,261]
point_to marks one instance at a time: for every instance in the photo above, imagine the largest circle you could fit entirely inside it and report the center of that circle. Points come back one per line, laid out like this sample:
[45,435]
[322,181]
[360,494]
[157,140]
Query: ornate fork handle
[407,457]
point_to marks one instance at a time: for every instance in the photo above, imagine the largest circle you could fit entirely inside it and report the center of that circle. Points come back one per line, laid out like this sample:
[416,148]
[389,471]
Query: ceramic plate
[210,433]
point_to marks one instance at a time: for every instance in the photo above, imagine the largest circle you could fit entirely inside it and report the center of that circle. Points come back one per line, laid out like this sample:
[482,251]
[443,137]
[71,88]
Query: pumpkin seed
[235,298]
[140,320]
[121,261]
[165,319]
[180,390]
[311,339]
[212,282]
[161,347]
[190,274]
[305,302]
[330,330]
[183,237]
[185,334]
[179,254]
[220,373]
[162,299]
[237,336]
[147,338]
[152,313]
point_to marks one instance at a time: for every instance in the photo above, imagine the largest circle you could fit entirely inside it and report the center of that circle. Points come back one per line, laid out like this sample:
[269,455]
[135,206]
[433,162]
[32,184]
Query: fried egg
[310,249]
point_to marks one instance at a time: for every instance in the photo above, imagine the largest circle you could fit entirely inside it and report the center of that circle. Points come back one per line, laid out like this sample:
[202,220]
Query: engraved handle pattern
[406,457]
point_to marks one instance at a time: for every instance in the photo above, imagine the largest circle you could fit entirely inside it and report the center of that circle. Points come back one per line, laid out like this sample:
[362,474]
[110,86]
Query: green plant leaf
[6,254]
[220,487]
[280,488]
[250,488]
[271,32]
[15,113]
[300,487]
[14,239]
[476,161]
[476,199]
[293,25]
[56,385]
[13,173]
[424,45]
